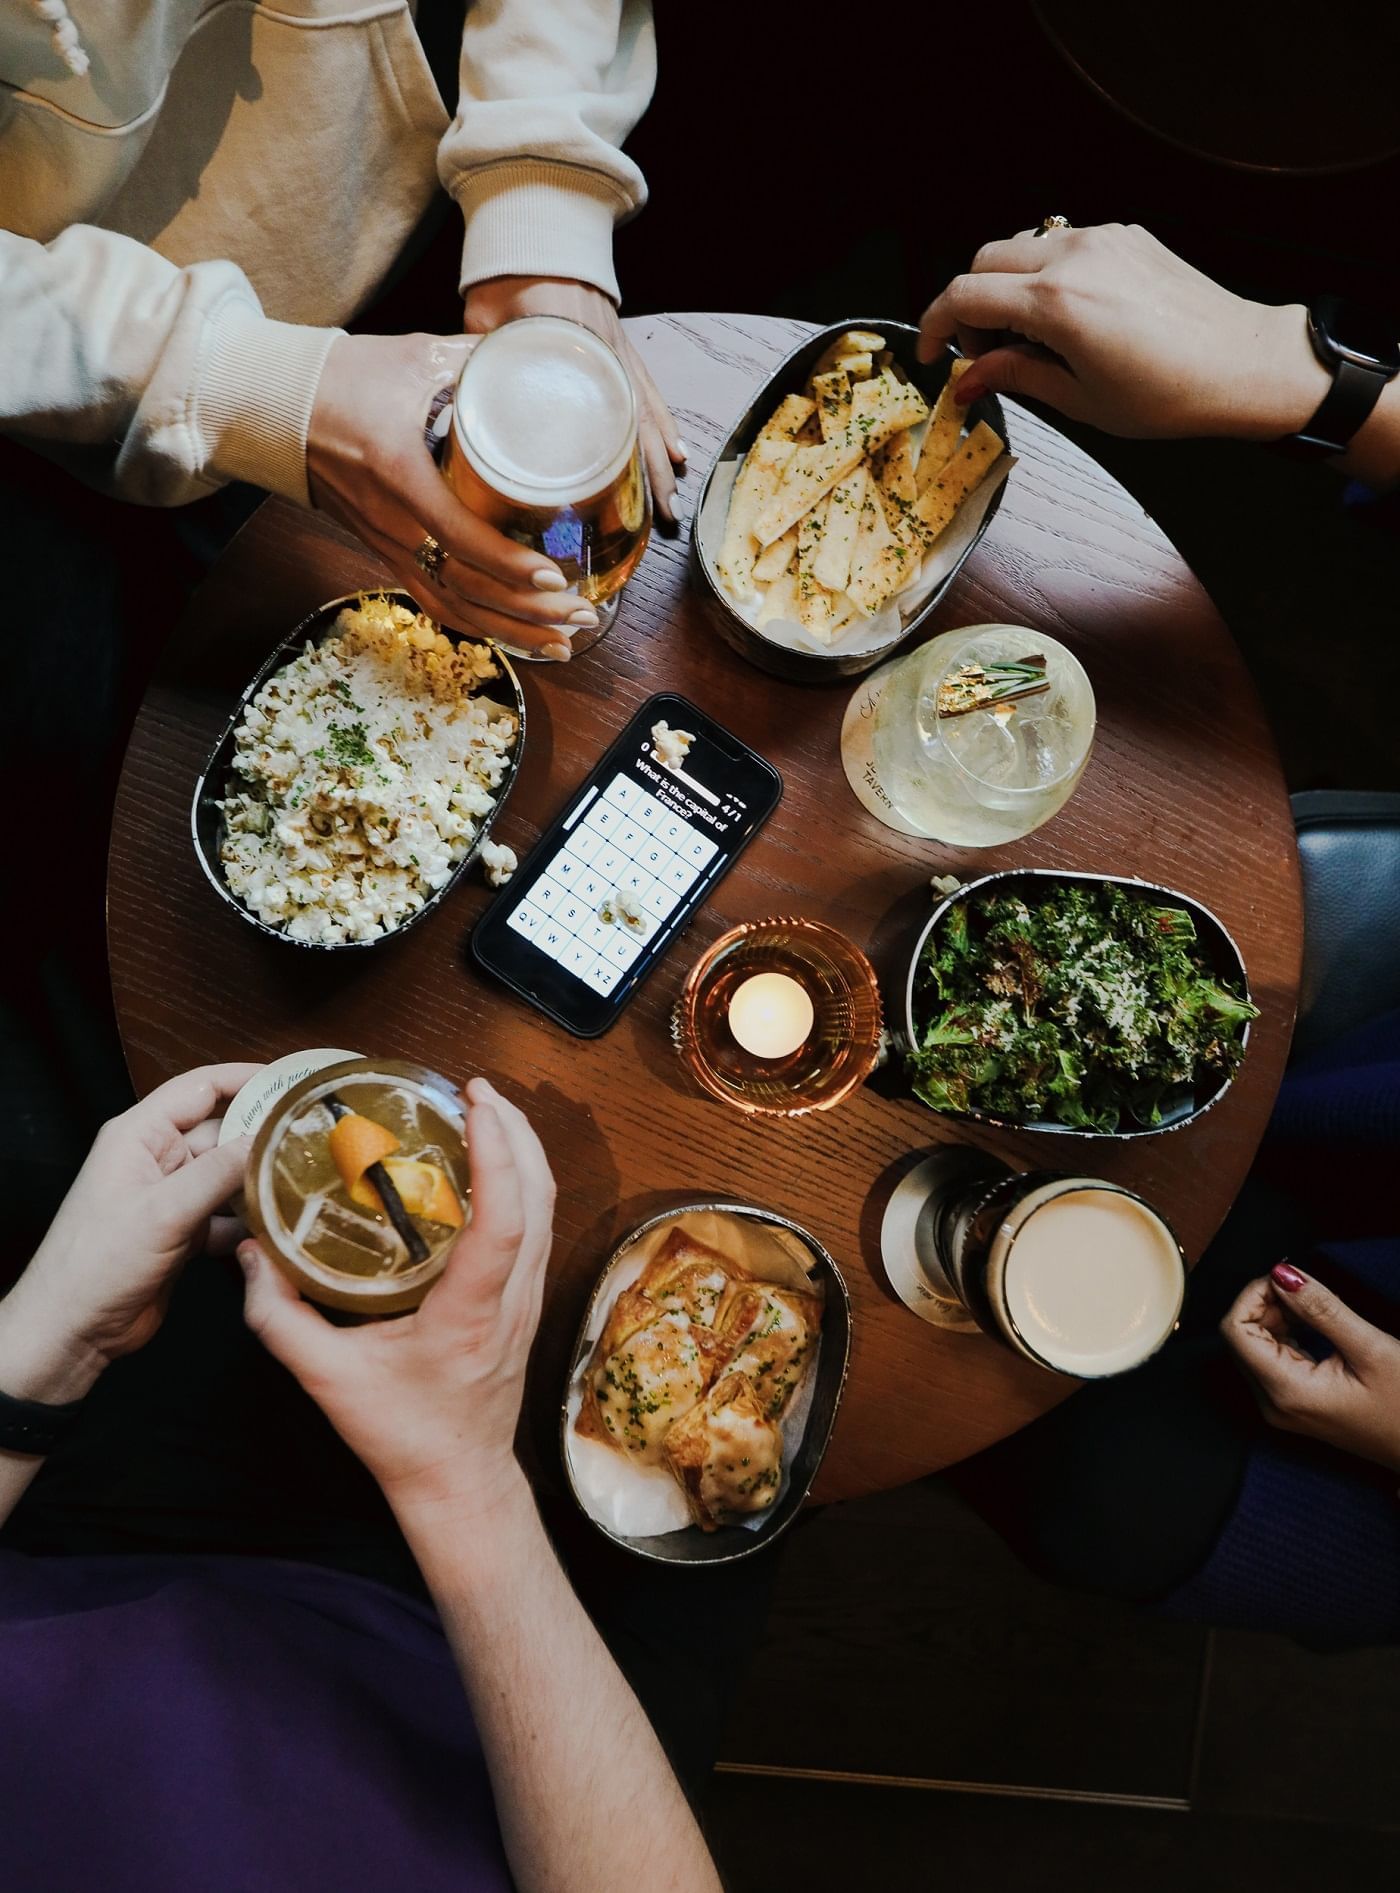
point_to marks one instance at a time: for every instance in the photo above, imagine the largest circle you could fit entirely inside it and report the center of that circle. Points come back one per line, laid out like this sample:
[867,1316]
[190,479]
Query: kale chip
[1087,1006]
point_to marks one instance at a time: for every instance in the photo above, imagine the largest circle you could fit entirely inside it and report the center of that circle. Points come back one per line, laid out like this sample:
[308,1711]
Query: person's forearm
[550,90]
[35,1364]
[163,382]
[586,1799]
[1374,454]
[1294,386]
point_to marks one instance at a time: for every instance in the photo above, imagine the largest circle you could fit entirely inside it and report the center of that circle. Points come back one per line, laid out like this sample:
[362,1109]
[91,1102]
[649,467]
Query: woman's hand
[504,298]
[1352,1399]
[430,1400]
[369,467]
[1108,326]
[147,1198]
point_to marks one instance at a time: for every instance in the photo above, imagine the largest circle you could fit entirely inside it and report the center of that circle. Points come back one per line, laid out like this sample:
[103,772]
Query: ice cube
[345,1239]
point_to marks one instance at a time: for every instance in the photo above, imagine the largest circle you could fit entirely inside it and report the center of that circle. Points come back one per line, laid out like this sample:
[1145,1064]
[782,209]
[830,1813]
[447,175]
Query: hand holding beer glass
[491,304]
[368,466]
[542,444]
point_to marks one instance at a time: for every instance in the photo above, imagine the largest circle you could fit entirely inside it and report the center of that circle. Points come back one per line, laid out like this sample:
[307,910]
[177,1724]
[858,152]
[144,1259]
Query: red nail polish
[1287,1278]
[966,391]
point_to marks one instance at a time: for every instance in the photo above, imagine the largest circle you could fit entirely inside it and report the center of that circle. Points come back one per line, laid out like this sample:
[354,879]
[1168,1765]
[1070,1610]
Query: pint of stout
[1079,1275]
[543,444]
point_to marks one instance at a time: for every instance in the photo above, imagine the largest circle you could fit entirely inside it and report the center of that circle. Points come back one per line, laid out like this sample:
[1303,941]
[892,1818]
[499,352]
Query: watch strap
[1344,409]
[32,1426]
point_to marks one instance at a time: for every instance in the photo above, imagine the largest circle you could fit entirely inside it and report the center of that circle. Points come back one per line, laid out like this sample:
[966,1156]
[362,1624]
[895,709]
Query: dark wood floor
[922,1704]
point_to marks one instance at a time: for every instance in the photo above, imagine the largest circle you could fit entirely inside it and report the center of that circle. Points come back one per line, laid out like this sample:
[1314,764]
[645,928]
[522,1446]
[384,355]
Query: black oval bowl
[1222,957]
[790,377]
[206,817]
[730,1543]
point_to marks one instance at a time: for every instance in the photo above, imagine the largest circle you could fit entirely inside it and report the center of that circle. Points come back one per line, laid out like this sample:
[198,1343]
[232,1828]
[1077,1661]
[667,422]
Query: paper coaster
[857,726]
[857,757]
[906,1248]
[245,1113]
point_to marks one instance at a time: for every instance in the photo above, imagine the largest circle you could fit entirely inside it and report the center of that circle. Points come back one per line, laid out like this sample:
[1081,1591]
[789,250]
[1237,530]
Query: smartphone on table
[620,873]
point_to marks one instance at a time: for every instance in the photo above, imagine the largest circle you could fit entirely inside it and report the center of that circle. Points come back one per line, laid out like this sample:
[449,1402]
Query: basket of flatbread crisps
[705,1381]
[844,502]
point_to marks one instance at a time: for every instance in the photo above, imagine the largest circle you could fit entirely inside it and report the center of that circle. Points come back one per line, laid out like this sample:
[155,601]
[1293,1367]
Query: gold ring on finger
[430,558]
[1047,224]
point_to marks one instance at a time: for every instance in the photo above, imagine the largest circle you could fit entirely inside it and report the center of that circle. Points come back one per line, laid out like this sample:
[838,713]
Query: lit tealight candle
[771,1015]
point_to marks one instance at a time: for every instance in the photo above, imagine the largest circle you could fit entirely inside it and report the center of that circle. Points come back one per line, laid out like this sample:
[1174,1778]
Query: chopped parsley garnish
[350,746]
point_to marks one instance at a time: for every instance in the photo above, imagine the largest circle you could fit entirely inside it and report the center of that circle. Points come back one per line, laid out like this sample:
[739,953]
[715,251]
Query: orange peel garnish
[426,1191]
[423,1189]
[356,1142]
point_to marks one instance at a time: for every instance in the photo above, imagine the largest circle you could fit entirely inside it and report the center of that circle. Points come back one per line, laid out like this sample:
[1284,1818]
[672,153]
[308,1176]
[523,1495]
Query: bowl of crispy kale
[1076,1003]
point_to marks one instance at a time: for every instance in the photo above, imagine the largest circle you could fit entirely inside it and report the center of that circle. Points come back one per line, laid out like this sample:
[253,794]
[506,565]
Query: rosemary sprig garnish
[984,686]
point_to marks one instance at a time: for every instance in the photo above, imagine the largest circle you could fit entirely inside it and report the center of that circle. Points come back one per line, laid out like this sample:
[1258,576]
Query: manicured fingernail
[680,451]
[1288,1278]
[587,619]
[966,391]
[546,579]
[559,652]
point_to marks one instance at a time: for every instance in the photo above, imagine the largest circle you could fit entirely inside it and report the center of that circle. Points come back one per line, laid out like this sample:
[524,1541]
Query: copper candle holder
[839,1051]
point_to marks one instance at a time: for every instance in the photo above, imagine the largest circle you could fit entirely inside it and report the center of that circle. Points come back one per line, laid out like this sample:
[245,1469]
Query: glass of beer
[1076,1274]
[543,444]
[358,1184]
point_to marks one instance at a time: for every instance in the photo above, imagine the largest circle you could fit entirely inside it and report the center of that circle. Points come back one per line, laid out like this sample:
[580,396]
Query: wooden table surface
[1184,788]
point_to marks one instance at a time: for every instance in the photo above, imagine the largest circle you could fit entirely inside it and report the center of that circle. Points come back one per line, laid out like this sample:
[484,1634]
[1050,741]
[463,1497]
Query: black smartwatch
[36,1426]
[1362,350]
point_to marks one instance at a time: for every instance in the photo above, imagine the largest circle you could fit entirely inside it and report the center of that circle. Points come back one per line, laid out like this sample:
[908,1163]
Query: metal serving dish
[1222,957]
[789,378]
[729,1544]
[206,818]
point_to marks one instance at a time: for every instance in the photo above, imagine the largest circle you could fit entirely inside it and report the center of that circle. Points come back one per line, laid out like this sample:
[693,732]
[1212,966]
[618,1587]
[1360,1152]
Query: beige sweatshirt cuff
[533,218]
[252,404]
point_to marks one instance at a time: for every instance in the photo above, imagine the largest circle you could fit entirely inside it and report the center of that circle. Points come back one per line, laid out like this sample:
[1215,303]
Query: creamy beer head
[545,413]
[1085,1278]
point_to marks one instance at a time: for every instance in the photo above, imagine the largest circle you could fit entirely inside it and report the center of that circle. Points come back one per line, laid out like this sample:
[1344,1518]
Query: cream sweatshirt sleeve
[167,382]
[549,90]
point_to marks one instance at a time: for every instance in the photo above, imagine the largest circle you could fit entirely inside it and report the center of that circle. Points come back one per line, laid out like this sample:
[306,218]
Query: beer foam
[545,412]
[1091,1279]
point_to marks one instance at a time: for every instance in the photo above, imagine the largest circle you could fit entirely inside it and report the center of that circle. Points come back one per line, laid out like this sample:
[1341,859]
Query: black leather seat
[1349,846]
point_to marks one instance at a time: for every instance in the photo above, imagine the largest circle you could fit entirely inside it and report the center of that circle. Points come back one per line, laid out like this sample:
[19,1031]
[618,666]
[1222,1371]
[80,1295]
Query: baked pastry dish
[697,1363]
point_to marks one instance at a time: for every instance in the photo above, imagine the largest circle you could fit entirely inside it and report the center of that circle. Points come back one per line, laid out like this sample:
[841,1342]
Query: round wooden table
[1184,788]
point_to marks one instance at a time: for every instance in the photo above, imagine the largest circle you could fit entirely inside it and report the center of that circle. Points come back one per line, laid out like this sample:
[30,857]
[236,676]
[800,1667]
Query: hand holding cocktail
[430,1401]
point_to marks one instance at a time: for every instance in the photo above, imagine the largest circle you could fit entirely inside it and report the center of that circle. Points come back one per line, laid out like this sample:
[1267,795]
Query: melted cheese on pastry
[648,1372]
[695,1366]
[770,1333]
[727,1455]
[689,1275]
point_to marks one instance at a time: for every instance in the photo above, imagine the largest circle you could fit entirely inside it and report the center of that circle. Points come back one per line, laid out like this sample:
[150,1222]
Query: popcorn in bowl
[362,773]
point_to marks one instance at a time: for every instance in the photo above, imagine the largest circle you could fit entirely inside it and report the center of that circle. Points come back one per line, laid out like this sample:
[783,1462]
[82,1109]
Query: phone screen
[617,877]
